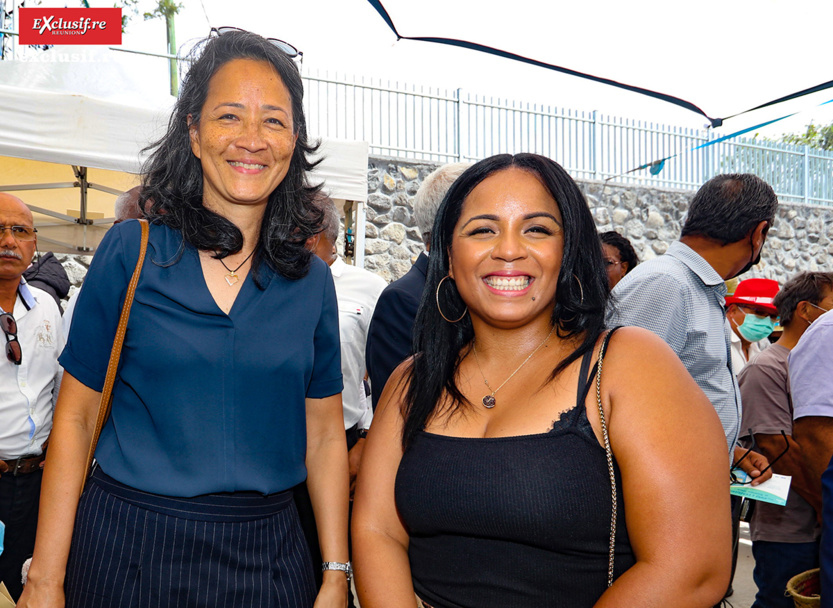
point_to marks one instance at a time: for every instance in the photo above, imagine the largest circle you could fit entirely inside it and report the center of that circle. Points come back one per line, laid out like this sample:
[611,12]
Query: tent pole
[81,174]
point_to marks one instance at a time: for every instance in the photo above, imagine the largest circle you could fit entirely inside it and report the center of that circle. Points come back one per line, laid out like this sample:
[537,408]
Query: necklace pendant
[231,279]
[489,401]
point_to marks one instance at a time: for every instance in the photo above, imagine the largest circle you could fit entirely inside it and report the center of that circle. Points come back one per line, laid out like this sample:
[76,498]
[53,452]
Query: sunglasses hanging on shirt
[9,326]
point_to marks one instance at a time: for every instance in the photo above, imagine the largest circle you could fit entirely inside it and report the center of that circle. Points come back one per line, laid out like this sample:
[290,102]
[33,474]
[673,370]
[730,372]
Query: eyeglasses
[610,263]
[20,233]
[287,48]
[757,313]
[9,325]
[735,467]
[819,307]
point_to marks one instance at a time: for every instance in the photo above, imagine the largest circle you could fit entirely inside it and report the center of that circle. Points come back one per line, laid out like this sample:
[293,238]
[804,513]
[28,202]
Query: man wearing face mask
[680,295]
[752,316]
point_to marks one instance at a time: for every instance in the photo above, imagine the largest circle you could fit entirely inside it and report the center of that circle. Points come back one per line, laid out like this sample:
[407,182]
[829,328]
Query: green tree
[128,7]
[168,9]
[814,136]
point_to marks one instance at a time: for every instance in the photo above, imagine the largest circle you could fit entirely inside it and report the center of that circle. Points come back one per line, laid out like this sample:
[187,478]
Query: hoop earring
[441,310]
[580,289]
[581,300]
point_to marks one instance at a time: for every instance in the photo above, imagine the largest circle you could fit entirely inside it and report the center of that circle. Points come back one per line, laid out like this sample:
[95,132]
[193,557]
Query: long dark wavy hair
[581,292]
[173,177]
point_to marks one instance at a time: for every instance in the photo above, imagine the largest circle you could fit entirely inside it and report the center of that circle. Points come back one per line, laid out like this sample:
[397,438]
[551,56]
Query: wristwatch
[347,568]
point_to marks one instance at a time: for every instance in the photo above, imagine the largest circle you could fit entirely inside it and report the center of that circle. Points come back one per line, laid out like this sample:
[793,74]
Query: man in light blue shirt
[811,384]
[680,295]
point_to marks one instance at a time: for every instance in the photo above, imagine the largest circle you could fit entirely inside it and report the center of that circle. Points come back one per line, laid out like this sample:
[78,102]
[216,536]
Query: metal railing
[446,125]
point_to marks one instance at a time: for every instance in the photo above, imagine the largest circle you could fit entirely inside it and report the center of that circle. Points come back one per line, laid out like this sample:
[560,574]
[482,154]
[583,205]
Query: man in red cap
[752,314]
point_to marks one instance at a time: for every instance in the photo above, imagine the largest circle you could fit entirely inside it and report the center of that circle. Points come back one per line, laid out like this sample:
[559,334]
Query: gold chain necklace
[231,276]
[489,400]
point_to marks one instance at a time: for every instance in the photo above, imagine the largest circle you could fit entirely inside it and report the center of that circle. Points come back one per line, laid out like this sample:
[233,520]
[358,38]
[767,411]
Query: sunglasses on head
[287,48]
[9,326]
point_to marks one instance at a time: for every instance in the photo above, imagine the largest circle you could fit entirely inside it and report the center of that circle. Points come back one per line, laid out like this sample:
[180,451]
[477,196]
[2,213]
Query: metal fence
[445,125]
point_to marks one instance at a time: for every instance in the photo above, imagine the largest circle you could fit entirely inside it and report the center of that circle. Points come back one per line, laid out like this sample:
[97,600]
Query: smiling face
[506,250]
[15,256]
[245,136]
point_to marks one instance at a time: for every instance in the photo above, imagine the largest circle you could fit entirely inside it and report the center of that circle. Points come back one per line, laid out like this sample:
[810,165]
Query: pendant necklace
[231,276]
[489,400]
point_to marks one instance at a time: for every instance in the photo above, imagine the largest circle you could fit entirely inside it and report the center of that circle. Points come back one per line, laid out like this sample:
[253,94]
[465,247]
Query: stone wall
[801,238]
[393,238]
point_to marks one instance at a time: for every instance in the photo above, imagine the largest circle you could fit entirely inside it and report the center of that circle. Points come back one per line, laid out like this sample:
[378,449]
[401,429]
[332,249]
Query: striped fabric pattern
[680,297]
[177,553]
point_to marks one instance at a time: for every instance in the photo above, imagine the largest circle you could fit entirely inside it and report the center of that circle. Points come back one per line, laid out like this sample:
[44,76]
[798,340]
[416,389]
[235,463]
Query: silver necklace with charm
[489,400]
[231,276]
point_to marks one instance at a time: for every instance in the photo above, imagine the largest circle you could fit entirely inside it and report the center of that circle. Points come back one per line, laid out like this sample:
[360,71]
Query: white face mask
[824,310]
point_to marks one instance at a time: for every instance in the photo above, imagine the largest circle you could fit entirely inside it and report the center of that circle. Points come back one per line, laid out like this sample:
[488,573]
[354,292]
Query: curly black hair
[627,253]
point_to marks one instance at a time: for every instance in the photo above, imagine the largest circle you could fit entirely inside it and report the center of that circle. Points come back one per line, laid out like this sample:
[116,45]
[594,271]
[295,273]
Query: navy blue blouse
[204,402]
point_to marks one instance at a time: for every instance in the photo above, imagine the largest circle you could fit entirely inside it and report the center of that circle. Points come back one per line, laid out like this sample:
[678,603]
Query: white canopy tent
[88,108]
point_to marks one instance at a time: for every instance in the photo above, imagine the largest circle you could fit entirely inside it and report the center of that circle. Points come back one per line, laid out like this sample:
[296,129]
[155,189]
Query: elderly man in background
[357,291]
[752,315]
[784,539]
[29,381]
[391,332]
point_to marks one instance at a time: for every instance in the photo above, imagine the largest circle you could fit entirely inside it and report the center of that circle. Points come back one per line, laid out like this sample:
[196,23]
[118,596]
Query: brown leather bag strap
[115,353]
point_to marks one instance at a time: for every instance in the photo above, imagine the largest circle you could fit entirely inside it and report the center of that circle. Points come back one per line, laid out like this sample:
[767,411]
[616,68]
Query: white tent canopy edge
[93,113]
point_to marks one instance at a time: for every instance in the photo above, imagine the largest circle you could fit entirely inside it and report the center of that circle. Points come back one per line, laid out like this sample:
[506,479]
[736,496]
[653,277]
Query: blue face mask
[755,328]
[2,530]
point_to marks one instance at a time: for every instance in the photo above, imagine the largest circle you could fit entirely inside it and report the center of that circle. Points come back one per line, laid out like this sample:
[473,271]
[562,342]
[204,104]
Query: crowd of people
[530,417]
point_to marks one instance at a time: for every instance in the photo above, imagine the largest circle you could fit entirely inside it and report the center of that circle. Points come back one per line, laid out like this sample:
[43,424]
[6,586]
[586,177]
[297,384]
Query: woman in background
[229,389]
[485,480]
[619,256]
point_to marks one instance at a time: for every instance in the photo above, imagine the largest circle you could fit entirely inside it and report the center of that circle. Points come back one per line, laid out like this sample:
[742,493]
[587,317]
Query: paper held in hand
[773,490]
[5,597]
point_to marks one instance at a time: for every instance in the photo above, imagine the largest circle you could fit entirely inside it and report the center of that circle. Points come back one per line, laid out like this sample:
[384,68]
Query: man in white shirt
[29,381]
[357,291]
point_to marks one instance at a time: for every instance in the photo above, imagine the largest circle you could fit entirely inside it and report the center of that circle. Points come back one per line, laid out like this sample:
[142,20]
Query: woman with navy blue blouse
[229,389]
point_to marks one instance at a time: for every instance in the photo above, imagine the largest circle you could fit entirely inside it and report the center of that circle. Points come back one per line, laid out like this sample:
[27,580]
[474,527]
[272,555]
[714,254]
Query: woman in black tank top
[485,480]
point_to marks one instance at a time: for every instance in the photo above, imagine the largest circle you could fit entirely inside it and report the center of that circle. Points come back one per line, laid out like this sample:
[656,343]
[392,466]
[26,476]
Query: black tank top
[512,521]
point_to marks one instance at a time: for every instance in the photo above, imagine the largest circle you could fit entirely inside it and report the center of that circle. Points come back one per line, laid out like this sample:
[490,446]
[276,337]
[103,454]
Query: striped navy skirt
[134,549]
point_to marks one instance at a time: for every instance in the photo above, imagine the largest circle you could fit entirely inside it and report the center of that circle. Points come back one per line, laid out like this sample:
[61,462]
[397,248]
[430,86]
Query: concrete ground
[744,586]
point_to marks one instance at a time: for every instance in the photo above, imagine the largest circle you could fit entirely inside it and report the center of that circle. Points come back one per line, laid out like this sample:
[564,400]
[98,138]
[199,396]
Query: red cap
[755,292]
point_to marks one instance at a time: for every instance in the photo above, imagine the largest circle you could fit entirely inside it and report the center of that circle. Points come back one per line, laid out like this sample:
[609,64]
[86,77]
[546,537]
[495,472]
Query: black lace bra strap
[583,382]
[585,364]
